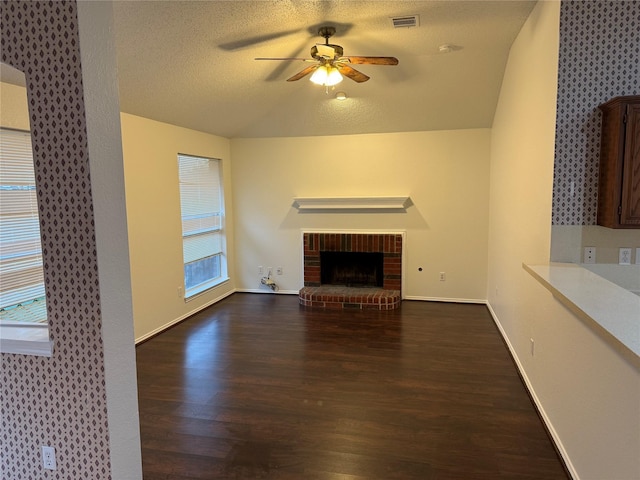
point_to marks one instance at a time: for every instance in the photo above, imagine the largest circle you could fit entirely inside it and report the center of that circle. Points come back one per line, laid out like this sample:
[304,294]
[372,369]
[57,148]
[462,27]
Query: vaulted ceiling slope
[192,64]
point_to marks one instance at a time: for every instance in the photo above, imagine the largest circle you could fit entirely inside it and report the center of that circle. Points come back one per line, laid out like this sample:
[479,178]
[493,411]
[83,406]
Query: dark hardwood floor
[257,387]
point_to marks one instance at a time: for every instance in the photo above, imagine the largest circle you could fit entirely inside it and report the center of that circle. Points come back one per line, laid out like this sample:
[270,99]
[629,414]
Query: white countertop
[586,294]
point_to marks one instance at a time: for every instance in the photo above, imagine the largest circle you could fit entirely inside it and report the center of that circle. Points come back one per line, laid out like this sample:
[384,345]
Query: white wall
[586,385]
[444,172]
[14,112]
[153,213]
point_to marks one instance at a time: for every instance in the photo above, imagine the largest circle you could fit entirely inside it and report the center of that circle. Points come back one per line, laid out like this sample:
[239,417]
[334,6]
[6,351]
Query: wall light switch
[624,257]
[589,255]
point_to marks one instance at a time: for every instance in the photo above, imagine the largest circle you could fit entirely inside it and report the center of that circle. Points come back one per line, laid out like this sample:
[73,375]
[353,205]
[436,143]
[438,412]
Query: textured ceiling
[192,64]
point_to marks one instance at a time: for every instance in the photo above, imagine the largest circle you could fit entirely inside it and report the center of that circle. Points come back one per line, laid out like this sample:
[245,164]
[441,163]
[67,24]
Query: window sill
[26,340]
[204,288]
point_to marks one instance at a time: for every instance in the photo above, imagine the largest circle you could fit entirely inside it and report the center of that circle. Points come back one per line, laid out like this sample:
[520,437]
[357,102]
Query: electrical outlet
[443,276]
[48,457]
[260,270]
[637,256]
[279,270]
[269,271]
[180,292]
[624,256]
[589,255]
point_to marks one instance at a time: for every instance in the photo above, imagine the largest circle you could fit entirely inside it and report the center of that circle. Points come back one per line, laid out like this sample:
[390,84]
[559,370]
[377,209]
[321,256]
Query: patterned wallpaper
[58,401]
[599,59]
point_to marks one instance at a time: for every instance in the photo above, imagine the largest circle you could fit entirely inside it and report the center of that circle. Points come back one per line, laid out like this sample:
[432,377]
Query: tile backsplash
[569,241]
[608,242]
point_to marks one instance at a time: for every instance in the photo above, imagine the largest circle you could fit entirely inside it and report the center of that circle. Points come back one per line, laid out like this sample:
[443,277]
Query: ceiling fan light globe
[333,78]
[320,76]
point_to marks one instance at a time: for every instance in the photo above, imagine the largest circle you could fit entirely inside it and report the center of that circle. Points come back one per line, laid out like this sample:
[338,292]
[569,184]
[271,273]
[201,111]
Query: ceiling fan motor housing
[328,51]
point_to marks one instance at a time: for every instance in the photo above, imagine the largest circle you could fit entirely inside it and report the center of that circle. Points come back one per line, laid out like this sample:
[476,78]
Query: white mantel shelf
[351,203]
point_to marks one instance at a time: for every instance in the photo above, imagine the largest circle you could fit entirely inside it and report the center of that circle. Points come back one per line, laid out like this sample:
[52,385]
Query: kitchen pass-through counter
[591,296]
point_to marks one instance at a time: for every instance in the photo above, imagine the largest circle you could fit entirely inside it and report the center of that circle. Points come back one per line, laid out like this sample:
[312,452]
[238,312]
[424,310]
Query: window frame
[196,290]
[28,338]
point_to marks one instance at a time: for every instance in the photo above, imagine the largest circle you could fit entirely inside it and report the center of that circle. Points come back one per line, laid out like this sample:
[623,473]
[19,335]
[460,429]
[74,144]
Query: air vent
[405,21]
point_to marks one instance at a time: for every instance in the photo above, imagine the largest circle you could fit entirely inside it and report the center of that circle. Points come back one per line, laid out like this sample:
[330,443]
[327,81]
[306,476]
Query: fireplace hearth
[352,270]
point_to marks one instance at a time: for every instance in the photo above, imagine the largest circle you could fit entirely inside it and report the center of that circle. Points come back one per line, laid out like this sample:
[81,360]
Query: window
[202,208]
[22,297]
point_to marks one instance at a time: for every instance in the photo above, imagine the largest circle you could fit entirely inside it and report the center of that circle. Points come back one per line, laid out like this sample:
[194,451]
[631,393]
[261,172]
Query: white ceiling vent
[405,21]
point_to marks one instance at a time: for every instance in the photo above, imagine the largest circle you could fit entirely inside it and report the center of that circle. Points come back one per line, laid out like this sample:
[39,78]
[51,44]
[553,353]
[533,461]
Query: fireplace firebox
[352,269]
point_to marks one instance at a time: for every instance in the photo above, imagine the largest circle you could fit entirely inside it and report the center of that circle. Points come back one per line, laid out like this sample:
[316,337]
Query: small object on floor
[269,283]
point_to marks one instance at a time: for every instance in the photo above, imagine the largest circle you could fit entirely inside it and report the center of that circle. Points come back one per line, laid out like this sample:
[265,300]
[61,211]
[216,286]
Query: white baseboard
[280,292]
[181,318]
[552,431]
[424,299]
[446,300]
[267,290]
[409,297]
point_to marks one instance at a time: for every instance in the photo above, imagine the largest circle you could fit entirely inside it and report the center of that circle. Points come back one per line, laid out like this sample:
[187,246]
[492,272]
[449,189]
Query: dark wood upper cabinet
[619,181]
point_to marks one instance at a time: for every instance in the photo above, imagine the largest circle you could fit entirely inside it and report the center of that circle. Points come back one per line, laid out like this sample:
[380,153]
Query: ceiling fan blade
[352,73]
[284,59]
[303,73]
[282,68]
[370,60]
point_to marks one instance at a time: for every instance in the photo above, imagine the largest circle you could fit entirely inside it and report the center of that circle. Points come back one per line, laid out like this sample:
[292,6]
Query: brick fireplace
[316,294]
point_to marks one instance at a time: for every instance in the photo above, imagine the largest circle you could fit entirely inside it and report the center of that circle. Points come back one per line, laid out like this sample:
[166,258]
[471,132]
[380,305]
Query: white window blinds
[21,274]
[201,207]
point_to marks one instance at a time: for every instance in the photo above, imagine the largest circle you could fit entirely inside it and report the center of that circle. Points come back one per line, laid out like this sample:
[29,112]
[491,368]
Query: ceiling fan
[330,64]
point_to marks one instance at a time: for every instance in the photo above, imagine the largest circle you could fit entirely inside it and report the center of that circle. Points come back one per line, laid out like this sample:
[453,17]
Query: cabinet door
[630,213]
